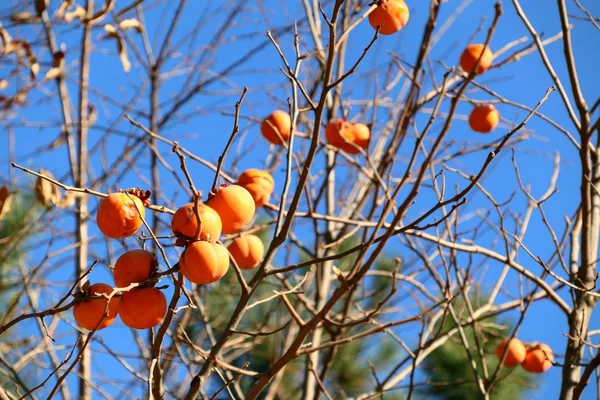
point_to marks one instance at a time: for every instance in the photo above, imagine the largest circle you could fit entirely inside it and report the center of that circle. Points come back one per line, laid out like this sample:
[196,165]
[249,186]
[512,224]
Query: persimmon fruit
[539,359]
[247,251]
[120,215]
[134,266]
[392,15]
[276,127]
[258,183]
[185,224]
[471,54]
[235,206]
[515,354]
[347,136]
[143,308]
[203,262]
[484,118]
[90,311]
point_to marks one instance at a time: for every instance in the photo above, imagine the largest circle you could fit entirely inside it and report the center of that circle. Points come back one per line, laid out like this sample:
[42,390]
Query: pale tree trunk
[85,390]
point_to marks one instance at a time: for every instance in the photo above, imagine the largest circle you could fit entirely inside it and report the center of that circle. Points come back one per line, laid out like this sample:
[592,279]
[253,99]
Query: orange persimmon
[471,54]
[90,311]
[392,15]
[539,359]
[203,262]
[515,353]
[484,118]
[134,266]
[347,136]
[247,251]
[258,183]
[185,224]
[143,308]
[120,215]
[276,127]
[235,206]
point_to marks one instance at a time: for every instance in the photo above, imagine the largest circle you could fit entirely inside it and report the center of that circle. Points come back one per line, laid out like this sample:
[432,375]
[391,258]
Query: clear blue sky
[206,129]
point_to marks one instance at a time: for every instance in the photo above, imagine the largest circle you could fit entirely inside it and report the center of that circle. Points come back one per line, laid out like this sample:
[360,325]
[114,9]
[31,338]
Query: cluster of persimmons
[197,227]
[534,357]
[228,210]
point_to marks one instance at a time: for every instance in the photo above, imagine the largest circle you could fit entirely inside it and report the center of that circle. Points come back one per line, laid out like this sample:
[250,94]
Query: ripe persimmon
[185,224]
[392,15]
[235,206]
[143,308]
[203,262]
[90,311]
[258,183]
[247,251]
[120,215]
[515,354]
[347,136]
[539,359]
[471,54]
[484,118]
[134,266]
[276,127]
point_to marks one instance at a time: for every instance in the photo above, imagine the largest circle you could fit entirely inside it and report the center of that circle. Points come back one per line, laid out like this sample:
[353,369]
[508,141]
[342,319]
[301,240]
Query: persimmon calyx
[143,195]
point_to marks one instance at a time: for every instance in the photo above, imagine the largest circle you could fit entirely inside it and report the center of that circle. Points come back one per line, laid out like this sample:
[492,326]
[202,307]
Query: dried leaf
[79,13]
[62,9]
[20,98]
[131,24]
[68,200]
[21,47]
[5,201]
[22,17]
[35,70]
[14,46]
[92,115]
[3,84]
[53,73]
[40,6]
[6,39]
[337,271]
[110,29]
[46,192]
[57,70]
[99,16]
[113,34]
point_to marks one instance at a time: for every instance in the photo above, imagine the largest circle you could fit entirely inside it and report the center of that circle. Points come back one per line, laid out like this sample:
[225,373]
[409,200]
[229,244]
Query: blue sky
[207,123]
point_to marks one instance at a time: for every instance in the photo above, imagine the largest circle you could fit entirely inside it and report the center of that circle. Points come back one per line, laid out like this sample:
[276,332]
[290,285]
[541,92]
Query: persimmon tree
[299,200]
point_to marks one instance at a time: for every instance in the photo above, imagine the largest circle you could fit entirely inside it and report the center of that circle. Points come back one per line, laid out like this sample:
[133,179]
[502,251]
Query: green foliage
[349,373]
[13,231]
[14,234]
[449,370]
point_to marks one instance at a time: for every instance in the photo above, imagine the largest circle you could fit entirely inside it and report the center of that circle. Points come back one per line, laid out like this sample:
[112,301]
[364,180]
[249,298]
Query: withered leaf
[79,13]
[3,84]
[4,36]
[21,47]
[46,192]
[20,98]
[6,198]
[22,17]
[92,115]
[58,62]
[68,199]
[112,33]
[53,73]
[131,23]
